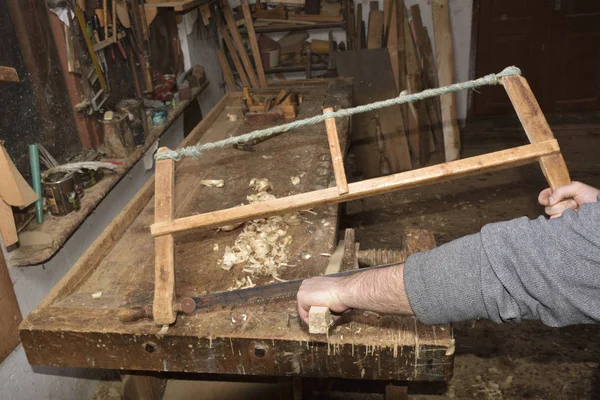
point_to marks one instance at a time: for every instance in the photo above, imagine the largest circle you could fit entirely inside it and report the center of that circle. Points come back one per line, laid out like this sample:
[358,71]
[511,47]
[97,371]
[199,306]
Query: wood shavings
[230,227]
[219,183]
[232,117]
[97,295]
[216,247]
[244,283]
[295,180]
[261,185]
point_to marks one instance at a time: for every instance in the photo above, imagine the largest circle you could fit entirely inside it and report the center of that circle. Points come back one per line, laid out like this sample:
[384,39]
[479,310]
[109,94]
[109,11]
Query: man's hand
[320,291]
[569,196]
[379,290]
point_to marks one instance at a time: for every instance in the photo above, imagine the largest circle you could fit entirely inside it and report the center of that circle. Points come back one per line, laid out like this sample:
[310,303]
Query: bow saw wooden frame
[543,147]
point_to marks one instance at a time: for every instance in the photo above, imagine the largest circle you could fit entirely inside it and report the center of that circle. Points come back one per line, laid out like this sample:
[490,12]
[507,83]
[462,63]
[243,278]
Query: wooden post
[254,44]
[536,127]
[164,247]
[336,154]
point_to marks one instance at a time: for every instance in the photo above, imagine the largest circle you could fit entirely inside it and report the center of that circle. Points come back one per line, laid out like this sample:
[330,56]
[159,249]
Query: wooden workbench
[70,328]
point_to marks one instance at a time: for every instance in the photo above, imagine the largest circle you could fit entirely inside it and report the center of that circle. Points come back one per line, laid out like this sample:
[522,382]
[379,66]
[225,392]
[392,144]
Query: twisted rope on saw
[195,151]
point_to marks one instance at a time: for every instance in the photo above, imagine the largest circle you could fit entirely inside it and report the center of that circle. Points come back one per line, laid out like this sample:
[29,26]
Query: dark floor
[524,361]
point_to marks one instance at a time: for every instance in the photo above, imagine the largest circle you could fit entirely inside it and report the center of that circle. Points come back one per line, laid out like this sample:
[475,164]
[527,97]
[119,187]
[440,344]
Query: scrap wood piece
[375,33]
[234,55]
[8,75]
[239,44]
[253,43]
[445,70]
[8,229]
[14,190]
[292,42]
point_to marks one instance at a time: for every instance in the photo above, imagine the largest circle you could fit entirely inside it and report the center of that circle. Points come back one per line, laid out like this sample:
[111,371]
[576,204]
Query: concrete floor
[524,361]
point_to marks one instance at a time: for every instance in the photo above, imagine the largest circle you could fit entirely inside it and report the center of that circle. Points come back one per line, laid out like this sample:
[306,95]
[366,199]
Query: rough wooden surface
[61,228]
[10,313]
[70,328]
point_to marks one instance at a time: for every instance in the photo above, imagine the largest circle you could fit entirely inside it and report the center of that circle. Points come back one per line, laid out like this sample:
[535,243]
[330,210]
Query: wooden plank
[10,313]
[425,176]
[13,187]
[536,127]
[113,232]
[375,29]
[420,130]
[253,43]
[8,230]
[164,249]
[239,44]
[233,53]
[358,42]
[227,74]
[389,14]
[445,70]
[337,158]
[429,75]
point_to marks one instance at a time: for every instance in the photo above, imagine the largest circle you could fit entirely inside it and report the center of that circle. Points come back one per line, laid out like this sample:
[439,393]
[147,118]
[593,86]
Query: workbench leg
[164,246]
[396,392]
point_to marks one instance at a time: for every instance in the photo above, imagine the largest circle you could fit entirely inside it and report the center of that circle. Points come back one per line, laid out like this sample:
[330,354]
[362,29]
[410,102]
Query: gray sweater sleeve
[520,269]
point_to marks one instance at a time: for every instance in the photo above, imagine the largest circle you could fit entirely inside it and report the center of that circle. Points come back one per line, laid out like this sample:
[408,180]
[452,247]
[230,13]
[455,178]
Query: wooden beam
[425,176]
[358,32]
[237,39]
[164,247]
[227,74]
[336,153]
[234,56]
[254,44]
[536,127]
[445,69]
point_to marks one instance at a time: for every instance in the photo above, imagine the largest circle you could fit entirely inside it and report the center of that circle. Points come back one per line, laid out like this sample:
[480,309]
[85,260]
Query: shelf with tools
[57,229]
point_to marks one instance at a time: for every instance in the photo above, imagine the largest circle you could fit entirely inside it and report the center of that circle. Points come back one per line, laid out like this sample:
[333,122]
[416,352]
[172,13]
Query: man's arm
[519,269]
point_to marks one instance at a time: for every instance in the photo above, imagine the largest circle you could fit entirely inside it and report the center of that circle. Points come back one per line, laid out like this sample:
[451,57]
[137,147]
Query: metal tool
[215,301]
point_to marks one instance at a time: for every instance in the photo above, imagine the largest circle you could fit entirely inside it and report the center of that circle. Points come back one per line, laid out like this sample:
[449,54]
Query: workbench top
[71,328]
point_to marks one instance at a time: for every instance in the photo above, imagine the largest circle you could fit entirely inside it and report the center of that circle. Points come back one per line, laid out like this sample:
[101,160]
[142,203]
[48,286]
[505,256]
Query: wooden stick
[254,44]
[445,68]
[237,39]
[419,177]
[336,154]
[536,127]
[227,74]
[234,56]
[164,247]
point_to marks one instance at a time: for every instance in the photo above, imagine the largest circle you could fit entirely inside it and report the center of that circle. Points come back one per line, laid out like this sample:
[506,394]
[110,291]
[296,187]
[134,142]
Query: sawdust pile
[261,248]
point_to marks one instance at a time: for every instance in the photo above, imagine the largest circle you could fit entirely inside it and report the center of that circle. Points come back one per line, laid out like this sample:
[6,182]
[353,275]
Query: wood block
[320,320]
[10,314]
[445,70]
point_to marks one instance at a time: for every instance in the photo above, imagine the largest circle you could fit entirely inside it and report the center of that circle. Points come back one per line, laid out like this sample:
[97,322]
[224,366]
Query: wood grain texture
[239,44]
[227,74]
[234,56]
[375,29]
[514,157]
[164,249]
[253,43]
[445,70]
[337,158]
[536,127]
[10,313]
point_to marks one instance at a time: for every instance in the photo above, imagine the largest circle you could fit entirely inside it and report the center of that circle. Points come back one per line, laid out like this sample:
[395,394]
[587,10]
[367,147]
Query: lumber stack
[427,131]
[250,53]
